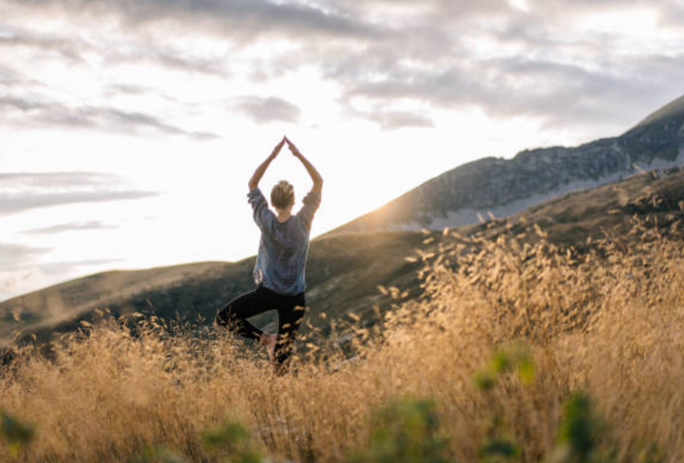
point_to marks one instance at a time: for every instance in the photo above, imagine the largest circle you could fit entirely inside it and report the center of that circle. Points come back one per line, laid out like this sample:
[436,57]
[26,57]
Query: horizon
[128,144]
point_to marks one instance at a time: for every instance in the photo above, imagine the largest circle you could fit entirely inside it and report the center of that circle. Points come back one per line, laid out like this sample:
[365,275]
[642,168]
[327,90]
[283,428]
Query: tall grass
[608,323]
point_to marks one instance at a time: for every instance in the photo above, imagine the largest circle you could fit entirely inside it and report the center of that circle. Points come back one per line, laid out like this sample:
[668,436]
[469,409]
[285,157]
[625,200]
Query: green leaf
[16,432]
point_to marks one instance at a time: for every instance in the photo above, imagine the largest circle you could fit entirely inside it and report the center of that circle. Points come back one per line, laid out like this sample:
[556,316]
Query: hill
[344,270]
[507,186]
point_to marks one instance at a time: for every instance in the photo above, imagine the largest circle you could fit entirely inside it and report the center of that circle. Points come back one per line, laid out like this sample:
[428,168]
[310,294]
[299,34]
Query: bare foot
[269,342]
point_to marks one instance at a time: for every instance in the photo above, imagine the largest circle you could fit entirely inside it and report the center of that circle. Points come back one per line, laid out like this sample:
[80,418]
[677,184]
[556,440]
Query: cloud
[672,15]
[70,267]
[15,256]
[264,110]
[557,93]
[30,103]
[66,48]
[65,227]
[16,259]
[45,113]
[539,65]
[239,19]
[393,120]
[10,77]
[20,275]
[21,192]
[168,58]
[127,89]
[390,120]
[70,49]
[508,61]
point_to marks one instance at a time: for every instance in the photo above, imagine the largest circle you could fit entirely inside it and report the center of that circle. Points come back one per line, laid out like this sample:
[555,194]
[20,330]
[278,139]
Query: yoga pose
[280,263]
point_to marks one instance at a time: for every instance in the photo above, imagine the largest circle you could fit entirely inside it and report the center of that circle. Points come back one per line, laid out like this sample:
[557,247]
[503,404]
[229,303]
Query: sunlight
[638,23]
[521,5]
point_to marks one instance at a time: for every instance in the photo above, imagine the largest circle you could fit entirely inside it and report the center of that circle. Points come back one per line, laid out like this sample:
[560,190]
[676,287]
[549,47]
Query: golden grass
[608,323]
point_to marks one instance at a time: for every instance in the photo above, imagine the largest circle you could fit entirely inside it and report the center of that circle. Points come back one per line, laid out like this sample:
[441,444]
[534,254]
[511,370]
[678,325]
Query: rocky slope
[501,187]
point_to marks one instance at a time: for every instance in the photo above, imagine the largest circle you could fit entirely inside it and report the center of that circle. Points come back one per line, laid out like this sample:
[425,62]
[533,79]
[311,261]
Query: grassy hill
[572,219]
[344,270]
[517,353]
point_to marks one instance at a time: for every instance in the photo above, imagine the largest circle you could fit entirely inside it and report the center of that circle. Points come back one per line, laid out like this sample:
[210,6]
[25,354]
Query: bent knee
[223,317]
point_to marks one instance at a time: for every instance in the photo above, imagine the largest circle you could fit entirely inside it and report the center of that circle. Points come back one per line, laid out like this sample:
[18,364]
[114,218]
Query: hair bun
[282,194]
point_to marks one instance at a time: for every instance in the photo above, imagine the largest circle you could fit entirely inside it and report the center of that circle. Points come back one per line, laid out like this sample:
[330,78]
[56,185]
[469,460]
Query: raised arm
[315,176]
[259,172]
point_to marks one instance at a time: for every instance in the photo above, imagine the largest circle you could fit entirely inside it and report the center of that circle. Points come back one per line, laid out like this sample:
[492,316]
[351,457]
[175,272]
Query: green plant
[499,445]
[17,433]
[506,358]
[581,435]
[232,441]
[404,431]
[579,429]
[159,454]
[498,449]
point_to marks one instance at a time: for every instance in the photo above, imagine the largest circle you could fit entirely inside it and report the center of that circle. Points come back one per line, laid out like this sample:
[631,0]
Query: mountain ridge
[503,187]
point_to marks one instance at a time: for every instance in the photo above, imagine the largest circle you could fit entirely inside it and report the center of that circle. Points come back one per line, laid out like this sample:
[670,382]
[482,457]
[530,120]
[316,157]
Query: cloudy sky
[129,128]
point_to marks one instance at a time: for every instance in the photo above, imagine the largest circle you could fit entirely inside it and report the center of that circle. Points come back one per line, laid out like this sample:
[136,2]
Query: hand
[293,148]
[277,148]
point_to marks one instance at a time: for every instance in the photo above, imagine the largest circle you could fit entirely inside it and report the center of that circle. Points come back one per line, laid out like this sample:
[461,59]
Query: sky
[129,128]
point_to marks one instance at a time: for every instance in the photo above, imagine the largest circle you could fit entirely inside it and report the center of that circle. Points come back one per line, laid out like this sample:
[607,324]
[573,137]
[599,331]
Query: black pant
[290,314]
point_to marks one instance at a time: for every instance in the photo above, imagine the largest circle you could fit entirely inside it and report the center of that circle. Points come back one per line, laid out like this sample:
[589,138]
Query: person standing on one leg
[280,264]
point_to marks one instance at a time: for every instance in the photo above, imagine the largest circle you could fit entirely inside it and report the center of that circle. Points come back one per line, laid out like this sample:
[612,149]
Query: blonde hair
[282,195]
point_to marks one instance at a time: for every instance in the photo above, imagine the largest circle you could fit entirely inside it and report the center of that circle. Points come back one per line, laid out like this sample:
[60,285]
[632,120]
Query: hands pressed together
[259,172]
[290,145]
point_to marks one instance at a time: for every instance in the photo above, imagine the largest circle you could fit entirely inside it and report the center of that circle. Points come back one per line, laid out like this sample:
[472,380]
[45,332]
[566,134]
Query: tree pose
[280,264]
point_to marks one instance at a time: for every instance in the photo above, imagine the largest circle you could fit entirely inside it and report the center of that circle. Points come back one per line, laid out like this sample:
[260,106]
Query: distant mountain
[344,270]
[503,187]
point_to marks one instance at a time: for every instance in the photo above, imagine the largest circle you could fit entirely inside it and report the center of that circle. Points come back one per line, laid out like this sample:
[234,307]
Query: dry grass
[609,323]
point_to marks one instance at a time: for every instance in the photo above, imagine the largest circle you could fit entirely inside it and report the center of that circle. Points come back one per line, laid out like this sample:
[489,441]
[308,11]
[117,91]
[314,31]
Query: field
[518,351]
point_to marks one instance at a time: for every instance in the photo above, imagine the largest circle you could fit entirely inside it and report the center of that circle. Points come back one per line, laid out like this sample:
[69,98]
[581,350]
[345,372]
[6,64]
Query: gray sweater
[281,261]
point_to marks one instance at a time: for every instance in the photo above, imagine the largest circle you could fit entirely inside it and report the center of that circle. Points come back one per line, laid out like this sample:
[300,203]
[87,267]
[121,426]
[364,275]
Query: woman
[280,263]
